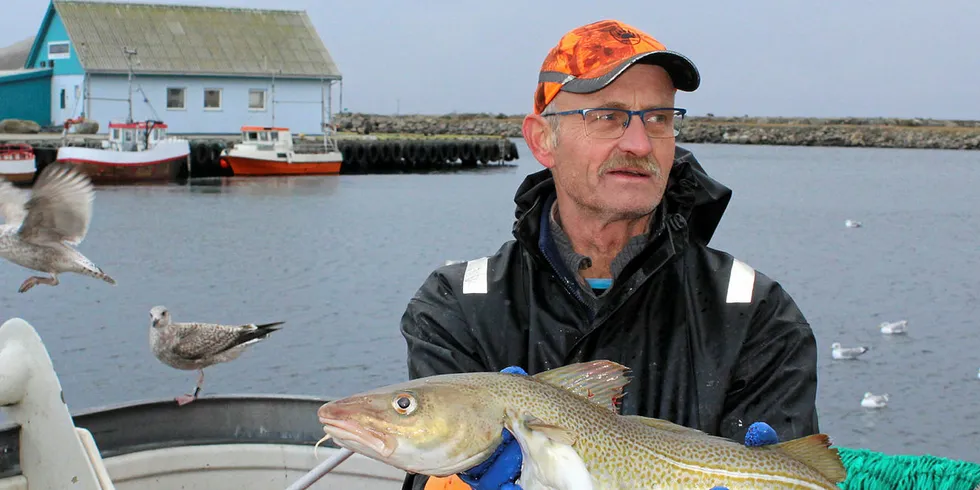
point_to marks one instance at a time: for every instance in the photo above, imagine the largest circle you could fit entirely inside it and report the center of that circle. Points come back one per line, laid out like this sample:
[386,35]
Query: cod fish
[569,431]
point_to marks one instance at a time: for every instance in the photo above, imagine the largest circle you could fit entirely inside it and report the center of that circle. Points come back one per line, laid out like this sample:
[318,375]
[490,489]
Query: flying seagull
[195,346]
[41,227]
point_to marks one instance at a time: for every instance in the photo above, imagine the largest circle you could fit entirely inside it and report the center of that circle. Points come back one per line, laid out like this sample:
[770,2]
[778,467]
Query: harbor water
[338,257]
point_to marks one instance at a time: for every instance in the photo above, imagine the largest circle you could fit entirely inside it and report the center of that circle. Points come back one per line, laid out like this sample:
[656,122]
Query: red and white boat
[271,151]
[17,163]
[134,152]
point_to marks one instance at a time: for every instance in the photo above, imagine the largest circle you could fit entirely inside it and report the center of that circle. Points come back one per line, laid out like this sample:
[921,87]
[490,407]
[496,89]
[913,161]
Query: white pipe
[321,469]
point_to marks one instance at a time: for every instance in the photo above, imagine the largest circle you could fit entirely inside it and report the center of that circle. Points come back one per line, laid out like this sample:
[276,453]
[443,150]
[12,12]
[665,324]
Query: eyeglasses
[659,122]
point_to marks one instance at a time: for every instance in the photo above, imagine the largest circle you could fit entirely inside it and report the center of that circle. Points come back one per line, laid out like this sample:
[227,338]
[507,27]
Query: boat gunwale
[159,424]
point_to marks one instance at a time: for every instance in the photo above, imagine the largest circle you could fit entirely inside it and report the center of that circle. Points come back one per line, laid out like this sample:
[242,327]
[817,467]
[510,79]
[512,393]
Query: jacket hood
[690,191]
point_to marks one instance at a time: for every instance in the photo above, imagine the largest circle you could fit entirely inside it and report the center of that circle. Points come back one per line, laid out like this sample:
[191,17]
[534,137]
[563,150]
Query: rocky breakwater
[855,132]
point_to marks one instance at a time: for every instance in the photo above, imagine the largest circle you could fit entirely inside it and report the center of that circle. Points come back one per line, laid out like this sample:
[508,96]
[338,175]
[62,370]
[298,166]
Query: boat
[134,152]
[268,150]
[218,442]
[17,163]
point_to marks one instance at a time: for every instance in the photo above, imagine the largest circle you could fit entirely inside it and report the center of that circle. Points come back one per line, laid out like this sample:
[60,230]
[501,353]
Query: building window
[58,50]
[62,98]
[256,99]
[175,98]
[212,98]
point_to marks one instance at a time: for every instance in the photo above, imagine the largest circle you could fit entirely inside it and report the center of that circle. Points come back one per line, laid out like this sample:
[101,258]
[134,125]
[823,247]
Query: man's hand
[759,434]
[503,467]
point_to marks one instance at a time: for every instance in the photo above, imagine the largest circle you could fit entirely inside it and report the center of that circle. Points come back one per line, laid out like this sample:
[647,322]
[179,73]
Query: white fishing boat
[220,442]
[17,163]
[134,152]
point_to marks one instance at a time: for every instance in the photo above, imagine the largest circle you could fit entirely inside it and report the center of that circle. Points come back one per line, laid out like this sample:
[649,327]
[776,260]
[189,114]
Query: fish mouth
[345,431]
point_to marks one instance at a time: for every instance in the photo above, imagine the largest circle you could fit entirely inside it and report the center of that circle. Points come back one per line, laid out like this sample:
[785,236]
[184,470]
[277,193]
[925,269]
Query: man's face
[618,178]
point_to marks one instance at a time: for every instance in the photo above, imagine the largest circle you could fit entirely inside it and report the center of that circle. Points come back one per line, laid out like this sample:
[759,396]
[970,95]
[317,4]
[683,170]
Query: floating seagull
[874,401]
[847,352]
[40,227]
[891,328]
[852,224]
[191,346]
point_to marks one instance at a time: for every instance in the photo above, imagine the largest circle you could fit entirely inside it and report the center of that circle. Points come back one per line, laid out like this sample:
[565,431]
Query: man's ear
[538,135]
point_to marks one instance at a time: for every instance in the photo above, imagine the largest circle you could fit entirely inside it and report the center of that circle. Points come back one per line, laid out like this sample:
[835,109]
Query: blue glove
[759,434]
[503,467]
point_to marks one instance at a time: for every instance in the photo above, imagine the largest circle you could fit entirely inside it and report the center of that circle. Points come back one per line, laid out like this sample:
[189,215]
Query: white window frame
[183,99]
[205,97]
[265,98]
[59,56]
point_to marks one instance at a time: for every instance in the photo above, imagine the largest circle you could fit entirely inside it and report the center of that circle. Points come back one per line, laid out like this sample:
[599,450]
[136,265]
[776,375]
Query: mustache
[646,164]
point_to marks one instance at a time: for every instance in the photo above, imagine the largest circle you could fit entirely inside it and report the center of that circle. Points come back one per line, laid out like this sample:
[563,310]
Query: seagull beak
[154,322]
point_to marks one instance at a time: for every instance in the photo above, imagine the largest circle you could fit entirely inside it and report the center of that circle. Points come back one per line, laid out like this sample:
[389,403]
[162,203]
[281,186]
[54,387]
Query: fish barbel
[569,431]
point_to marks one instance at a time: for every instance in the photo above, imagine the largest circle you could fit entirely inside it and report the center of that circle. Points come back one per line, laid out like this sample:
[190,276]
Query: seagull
[978,373]
[40,228]
[898,327]
[847,352]
[852,224]
[874,401]
[195,346]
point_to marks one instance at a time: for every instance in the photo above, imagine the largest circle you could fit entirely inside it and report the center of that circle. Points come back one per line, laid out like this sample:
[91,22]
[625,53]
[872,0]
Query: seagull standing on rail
[195,346]
[40,228]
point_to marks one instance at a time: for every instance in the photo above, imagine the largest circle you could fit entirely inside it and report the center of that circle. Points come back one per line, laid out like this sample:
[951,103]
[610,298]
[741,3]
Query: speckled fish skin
[569,433]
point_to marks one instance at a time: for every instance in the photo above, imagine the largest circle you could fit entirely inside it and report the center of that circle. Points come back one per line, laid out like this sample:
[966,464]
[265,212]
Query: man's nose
[635,139]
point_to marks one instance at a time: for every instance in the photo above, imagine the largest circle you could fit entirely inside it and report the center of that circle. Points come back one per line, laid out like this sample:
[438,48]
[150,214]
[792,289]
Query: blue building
[199,69]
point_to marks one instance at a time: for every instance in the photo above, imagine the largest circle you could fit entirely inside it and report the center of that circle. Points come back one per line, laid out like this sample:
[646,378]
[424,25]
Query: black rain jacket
[704,350]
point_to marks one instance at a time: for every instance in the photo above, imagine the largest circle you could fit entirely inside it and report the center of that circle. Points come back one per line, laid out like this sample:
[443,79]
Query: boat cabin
[266,138]
[136,135]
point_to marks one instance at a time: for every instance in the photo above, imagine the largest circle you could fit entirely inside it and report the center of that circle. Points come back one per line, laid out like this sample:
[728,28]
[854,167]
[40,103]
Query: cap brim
[682,71]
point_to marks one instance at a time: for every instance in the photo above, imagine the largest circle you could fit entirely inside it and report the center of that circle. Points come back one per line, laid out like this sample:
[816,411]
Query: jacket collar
[691,199]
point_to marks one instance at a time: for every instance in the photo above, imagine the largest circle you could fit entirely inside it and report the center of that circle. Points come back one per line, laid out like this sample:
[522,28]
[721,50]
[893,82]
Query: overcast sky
[896,58]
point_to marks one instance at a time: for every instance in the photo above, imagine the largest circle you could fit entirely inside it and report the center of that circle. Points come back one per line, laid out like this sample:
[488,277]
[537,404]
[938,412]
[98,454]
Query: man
[611,260]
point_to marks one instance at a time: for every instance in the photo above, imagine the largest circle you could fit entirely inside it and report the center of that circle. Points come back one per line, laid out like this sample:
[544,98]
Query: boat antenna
[130,53]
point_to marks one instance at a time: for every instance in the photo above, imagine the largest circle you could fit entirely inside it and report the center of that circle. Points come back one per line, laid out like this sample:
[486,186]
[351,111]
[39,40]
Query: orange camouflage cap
[590,57]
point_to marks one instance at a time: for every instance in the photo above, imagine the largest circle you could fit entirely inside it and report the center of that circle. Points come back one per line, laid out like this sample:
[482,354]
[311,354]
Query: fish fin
[815,452]
[663,424]
[599,381]
[554,432]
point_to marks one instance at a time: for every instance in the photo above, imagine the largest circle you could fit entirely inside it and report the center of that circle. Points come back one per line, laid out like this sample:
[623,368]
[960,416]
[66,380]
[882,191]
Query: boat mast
[273,102]
[129,55]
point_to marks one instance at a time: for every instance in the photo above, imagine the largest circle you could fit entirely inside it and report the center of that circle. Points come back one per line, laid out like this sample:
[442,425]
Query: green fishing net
[870,470]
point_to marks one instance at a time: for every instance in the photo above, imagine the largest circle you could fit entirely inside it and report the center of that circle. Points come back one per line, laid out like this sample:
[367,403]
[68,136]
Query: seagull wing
[201,340]
[60,208]
[12,203]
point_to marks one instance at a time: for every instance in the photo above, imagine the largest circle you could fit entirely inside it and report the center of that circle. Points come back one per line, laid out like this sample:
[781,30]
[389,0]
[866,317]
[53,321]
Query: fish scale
[567,425]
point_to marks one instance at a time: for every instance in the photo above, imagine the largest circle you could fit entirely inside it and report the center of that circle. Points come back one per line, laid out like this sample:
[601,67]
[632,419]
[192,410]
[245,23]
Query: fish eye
[404,403]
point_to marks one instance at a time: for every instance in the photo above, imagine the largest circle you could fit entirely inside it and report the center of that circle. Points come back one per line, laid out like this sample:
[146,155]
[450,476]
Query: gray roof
[194,40]
[13,57]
